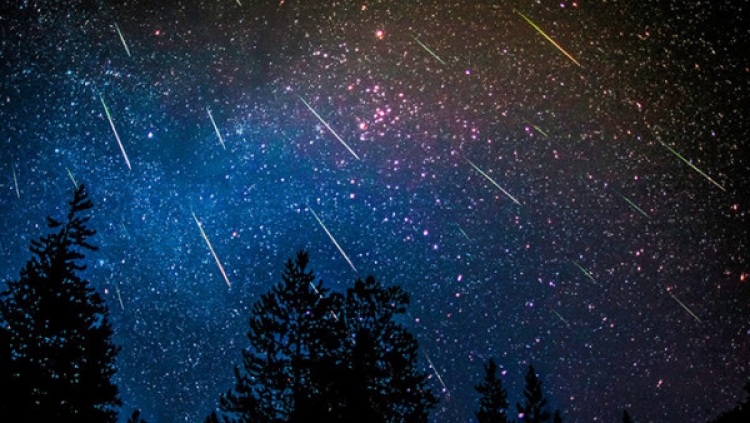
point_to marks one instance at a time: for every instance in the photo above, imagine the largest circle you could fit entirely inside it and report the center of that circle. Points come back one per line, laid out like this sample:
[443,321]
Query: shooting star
[686,308]
[434,369]
[216,128]
[15,181]
[560,317]
[127,50]
[75,184]
[432,53]
[634,206]
[332,238]
[460,229]
[218,263]
[691,165]
[548,37]
[329,128]
[109,117]
[493,181]
[119,297]
[537,128]
[585,272]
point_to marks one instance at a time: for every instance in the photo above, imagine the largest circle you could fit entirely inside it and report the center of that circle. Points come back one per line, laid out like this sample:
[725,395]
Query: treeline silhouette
[313,355]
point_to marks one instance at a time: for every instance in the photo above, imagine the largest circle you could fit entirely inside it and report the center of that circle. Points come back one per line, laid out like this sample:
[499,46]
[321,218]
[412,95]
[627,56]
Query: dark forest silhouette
[313,355]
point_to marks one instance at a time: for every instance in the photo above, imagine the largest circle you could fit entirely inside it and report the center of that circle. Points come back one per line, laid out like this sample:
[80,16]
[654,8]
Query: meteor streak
[492,180]
[686,308]
[691,165]
[537,128]
[216,128]
[633,205]
[432,53]
[332,238]
[585,272]
[15,181]
[119,297]
[329,128]
[464,233]
[75,184]
[548,37]
[559,316]
[109,117]
[439,378]
[218,263]
[127,50]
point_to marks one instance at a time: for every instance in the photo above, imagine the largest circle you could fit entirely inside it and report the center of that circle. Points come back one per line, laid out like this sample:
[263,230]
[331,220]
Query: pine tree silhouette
[59,333]
[315,355]
[626,417]
[533,409]
[556,418]
[740,413]
[376,378]
[136,417]
[493,402]
[274,384]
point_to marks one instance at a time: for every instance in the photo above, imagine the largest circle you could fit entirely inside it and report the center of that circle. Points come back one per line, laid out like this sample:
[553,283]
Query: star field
[601,233]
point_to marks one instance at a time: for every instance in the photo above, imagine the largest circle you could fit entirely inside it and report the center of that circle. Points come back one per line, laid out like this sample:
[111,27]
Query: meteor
[560,317]
[691,165]
[127,50]
[633,205]
[213,253]
[75,184]
[537,128]
[585,272]
[332,238]
[329,128]
[548,37]
[439,378]
[432,53]
[15,181]
[493,181]
[686,308]
[109,117]
[119,297]
[216,128]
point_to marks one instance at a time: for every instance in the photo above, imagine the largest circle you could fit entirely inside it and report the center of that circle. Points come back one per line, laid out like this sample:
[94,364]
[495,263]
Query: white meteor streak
[440,379]
[329,128]
[493,181]
[341,250]
[117,137]
[216,128]
[15,181]
[213,253]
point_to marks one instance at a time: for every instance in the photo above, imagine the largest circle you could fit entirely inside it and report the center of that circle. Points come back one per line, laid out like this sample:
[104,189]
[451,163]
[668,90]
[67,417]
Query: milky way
[555,183]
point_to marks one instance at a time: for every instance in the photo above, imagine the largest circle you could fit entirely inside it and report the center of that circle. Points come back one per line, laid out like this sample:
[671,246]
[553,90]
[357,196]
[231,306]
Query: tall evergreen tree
[493,403]
[286,324]
[533,409]
[320,356]
[557,418]
[376,377]
[626,417]
[59,333]
[136,417]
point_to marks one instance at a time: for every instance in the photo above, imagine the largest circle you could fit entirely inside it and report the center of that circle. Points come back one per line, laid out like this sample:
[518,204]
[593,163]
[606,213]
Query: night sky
[532,199]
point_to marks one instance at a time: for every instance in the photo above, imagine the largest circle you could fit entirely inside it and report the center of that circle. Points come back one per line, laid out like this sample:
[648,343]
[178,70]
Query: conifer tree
[376,377]
[136,417]
[320,356]
[59,333]
[533,409]
[493,403]
[286,324]
[626,417]
[556,418]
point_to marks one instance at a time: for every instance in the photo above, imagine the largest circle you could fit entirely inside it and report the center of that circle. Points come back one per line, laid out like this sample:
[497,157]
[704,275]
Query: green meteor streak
[561,318]
[548,38]
[585,272]
[691,165]
[634,206]
[537,128]
[686,308]
[493,181]
[429,51]
[329,127]
[127,50]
